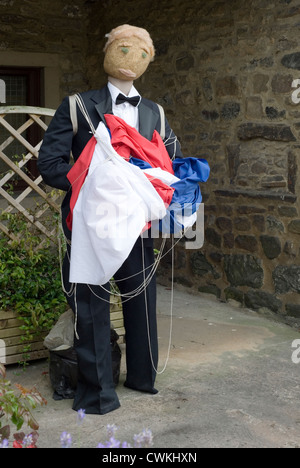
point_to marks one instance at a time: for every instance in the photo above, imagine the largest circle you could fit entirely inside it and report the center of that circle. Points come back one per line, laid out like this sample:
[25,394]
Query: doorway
[21,87]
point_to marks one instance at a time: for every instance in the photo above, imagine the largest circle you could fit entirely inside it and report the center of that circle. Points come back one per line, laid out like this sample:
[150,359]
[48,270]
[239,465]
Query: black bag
[63,369]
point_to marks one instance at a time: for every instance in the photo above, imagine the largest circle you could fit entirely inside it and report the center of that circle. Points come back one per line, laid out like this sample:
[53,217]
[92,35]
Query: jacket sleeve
[54,155]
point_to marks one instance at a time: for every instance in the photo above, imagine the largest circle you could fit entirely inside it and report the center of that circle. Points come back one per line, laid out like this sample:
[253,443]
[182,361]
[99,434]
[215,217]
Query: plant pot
[12,347]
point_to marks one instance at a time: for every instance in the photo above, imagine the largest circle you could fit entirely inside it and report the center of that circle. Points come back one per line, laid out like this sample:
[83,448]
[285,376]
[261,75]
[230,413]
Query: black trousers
[95,389]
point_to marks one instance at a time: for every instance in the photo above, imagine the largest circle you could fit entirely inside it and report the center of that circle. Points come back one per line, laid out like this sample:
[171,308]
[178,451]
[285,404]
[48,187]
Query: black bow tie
[132,100]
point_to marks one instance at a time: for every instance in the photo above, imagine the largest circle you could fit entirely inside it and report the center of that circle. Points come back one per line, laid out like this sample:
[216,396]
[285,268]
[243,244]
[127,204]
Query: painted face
[127,59]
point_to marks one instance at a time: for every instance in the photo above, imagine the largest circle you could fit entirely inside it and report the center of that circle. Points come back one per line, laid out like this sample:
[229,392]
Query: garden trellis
[22,192]
[15,173]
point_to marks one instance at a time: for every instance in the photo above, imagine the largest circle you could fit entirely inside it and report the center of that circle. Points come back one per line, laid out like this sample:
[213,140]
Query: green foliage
[30,281]
[16,406]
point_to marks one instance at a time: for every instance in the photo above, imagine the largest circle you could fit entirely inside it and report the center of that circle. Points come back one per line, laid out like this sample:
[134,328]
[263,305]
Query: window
[20,86]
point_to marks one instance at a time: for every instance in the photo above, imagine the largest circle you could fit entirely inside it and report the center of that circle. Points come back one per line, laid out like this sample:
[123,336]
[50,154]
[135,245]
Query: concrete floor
[230,382]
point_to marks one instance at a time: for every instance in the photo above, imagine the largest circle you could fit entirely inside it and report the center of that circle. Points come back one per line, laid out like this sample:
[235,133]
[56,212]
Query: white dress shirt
[125,110]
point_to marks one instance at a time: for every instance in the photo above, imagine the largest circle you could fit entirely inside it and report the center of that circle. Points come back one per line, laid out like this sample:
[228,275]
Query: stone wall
[48,27]
[224,73]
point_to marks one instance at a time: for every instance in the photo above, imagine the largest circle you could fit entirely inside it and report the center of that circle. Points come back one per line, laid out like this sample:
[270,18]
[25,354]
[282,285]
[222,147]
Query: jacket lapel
[147,120]
[147,117]
[103,101]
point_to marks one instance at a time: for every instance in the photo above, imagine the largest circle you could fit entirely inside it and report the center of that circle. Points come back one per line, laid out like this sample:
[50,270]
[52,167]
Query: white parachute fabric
[114,205]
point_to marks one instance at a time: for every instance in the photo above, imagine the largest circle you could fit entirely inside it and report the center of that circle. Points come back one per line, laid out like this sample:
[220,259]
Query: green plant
[16,408]
[30,281]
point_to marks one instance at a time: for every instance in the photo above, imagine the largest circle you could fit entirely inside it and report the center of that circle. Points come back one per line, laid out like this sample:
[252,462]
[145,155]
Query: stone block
[227,86]
[287,211]
[213,237]
[272,113]
[281,83]
[200,265]
[258,168]
[294,226]
[254,107]
[235,294]
[260,83]
[210,115]
[224,224]
[207,89]
[228,240]
[242,224]
[183,280]
[292,171]
[244,270]
[230,110]
[286,278]
[249,209]
[276,132]
[274,224]
[260,299]
[233,155]
[293,310]
[271,246]
[259,223]
[184,62]
[245,242]
[291,61]
[290,249]
[210,289]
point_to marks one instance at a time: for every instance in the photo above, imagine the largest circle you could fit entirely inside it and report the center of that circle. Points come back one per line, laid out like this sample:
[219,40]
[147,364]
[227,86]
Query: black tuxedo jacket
[59,140]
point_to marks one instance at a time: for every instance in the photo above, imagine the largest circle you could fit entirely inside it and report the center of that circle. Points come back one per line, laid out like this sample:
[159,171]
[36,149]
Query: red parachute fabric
[126,141]
[77,175]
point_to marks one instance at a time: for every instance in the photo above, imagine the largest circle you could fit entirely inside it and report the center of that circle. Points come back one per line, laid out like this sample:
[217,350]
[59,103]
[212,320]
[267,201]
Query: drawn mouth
[128,73]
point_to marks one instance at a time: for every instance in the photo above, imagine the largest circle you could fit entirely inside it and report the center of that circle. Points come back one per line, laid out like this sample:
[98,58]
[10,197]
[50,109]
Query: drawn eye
[125,50]
[144,55]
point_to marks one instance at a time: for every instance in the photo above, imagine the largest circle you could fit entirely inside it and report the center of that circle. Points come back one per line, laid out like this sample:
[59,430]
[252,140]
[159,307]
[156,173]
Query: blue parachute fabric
[140,163]
[187,195]
[192,169]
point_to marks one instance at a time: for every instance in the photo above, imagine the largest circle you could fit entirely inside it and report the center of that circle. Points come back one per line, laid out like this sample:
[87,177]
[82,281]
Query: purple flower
[28,440]
[101,445]
[4,443]
[111,443]
[80,416]
[65,440]
[125,445]
[111,430]
[144,439]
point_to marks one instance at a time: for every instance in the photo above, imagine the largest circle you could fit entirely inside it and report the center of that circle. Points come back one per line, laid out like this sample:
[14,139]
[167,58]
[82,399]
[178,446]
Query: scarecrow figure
[111,120]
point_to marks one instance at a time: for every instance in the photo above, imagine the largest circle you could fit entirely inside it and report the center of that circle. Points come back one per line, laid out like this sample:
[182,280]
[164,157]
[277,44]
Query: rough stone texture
[294,226]
[223,72]
[278,132]
[56,27]
[248,243]
[286,279]
[293,310]
[271,246]
[200,266]
[243,270]
[291,60]
[260,299]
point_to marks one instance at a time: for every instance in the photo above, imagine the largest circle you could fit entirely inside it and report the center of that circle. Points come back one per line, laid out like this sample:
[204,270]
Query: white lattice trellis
[33,208]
